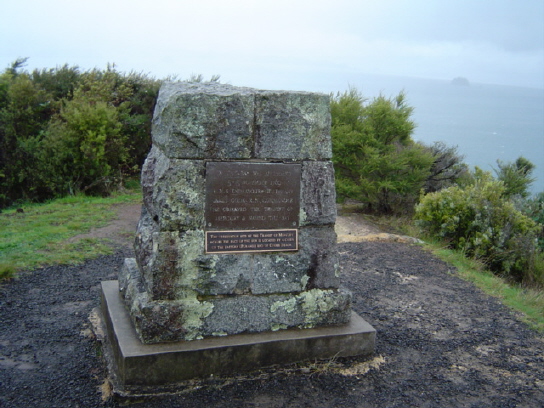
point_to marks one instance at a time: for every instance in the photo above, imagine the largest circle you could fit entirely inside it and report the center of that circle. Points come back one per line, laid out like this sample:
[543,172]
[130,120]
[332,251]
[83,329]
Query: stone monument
[235,253]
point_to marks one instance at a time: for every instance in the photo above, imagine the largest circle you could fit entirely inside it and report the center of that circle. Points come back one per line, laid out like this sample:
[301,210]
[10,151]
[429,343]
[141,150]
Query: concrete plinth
[136,365]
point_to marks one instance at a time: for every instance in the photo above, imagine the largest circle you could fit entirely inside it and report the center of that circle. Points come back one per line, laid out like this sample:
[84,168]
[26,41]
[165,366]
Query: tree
[376,161]
[447,167]
[137,124]
[15,67]
[24,112]
[59,82]
[516,176]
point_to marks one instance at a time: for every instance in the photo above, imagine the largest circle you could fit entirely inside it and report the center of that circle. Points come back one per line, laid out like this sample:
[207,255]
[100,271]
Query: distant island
[460,81]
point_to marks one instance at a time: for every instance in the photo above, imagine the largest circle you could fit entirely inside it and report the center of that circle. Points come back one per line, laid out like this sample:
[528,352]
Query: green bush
[479,220]
[63,131]
[376,161]
[534,209]
[83,149]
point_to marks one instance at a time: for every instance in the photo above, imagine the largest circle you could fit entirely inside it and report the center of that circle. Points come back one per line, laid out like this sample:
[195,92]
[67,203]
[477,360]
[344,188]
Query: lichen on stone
[302,216]
[278,326]
[314,304]
[190,247]
[288,305]
[304,281]
[194,314]
[337,270]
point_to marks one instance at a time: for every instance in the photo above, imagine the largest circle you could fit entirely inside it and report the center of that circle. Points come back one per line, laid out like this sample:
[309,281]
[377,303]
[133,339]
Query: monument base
[135,366]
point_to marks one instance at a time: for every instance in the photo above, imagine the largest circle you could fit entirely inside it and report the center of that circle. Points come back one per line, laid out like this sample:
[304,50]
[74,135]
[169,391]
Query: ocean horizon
[486,122]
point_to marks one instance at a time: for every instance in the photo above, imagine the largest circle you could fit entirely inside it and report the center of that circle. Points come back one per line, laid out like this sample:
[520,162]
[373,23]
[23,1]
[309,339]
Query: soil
[440,341]
[120,231]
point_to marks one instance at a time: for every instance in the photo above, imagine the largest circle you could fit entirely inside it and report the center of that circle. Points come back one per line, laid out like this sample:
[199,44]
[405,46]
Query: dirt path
[356,228]
[120,231]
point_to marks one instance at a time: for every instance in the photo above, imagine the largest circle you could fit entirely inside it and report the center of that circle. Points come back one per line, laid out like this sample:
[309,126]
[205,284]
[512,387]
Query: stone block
[279,273]
[224,274]
[252,314]
[218,121]
[323,268]
[314,265]
[193,317]
[292,126]
[172,269]
[174,262]
[197,121]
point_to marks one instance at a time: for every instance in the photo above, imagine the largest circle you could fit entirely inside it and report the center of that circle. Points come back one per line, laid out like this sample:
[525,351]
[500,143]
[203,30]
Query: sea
[486,122]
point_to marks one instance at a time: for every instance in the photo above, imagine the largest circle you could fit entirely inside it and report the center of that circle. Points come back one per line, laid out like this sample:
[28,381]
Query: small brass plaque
[246,196]
[251,241]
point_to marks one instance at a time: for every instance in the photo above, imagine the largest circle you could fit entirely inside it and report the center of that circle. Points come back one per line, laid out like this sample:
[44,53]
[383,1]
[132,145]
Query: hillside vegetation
[64,131]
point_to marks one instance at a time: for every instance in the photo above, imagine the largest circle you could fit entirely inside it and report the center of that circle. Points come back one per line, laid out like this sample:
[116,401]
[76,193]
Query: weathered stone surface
[318,195]
[292,125]
[193,318]
[320,248]
[224,274]
[130,276]
[279,273]
[315,265]
[143,245]
[174,270]
[173,191]
[218,121]
[197,121]
[159,320]
[173,263]
[239,314]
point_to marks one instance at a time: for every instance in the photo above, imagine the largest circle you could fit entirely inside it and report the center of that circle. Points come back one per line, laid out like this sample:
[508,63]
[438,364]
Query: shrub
[84,148]
[24,112]
[481,222]
[376,161]
[534,209]
[63,131]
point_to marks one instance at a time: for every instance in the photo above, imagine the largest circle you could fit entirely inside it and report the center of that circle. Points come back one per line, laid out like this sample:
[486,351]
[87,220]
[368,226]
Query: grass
[40,235]
[529,302]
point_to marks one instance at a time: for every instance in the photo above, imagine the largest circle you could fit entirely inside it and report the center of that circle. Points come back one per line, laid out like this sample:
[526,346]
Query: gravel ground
[440,343]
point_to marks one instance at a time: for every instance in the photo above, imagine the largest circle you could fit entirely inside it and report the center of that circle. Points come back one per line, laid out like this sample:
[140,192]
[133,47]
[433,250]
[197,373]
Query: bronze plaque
[252,196]
[251,241]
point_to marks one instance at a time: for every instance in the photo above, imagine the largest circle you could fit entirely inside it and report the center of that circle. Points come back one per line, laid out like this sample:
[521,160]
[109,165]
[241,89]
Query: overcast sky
[283,43]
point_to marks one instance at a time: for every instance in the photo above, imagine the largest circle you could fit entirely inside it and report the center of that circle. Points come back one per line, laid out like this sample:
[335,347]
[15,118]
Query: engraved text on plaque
[252,206]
